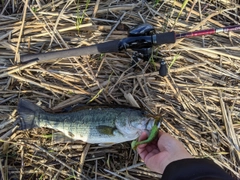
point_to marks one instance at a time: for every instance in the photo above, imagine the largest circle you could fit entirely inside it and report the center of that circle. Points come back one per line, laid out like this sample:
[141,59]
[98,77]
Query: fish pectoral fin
[107,130]
[106,144]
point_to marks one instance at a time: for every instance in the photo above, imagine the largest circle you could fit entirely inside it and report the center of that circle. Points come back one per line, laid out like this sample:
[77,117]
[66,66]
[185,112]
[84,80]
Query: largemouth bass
[95,125]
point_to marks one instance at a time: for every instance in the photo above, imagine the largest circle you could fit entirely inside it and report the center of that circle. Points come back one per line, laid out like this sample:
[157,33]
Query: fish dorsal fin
[79,107]
[107,130]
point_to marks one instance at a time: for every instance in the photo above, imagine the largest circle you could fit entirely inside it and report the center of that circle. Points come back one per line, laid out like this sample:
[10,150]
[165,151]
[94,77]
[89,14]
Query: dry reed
[198,100]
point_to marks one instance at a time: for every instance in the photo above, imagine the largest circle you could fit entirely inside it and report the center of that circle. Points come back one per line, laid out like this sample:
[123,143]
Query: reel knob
[163,70]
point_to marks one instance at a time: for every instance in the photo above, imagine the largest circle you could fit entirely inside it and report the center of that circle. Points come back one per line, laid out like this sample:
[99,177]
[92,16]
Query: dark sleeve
[194,169]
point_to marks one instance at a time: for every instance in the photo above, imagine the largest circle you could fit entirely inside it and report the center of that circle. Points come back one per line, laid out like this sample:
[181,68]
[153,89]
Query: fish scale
[78,122]
[102,125]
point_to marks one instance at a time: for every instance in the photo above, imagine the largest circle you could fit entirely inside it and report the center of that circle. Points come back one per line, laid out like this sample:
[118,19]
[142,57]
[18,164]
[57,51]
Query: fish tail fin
[27,111]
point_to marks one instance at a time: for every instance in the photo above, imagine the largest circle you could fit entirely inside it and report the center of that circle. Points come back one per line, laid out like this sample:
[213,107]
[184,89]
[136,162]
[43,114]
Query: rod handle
[106,47]
[165,38]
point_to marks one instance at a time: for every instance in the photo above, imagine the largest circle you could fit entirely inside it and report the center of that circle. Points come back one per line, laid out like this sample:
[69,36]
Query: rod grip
[165,38]
[106,47]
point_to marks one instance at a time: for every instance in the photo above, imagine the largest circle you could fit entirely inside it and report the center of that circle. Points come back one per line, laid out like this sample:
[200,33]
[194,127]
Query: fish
[103,125]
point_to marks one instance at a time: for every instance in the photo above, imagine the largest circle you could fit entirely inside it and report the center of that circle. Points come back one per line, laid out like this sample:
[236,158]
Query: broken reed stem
[64,164]
[17,55]
[18,68]
[83,156]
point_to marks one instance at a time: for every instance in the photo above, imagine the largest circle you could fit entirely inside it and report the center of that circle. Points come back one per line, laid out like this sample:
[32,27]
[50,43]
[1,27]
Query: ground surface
[198,100]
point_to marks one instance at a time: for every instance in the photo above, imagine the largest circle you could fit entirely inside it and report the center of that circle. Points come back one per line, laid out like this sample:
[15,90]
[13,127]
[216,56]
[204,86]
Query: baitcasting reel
[138,41]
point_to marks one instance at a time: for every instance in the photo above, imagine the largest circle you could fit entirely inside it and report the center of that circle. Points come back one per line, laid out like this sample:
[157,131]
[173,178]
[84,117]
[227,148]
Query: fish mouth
[150,124]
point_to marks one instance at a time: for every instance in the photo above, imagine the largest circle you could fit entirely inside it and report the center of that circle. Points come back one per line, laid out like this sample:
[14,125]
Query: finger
[148,152]
[141,147]
[142,152]
[160,133]
[143,136]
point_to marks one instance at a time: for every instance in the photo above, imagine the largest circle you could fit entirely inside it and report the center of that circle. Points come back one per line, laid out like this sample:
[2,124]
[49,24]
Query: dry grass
[199,99]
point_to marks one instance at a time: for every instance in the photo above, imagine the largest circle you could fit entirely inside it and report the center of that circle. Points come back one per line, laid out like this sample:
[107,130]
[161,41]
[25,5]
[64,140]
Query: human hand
[161,152]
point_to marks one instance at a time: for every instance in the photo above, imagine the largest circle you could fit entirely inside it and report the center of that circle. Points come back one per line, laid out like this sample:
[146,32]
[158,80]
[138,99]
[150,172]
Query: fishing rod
[140,39]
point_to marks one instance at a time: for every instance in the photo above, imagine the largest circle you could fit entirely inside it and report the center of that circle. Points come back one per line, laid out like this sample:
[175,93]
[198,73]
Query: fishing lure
[151,137]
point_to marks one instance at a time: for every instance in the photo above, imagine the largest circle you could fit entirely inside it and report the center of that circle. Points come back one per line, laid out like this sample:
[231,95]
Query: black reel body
[140,40]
